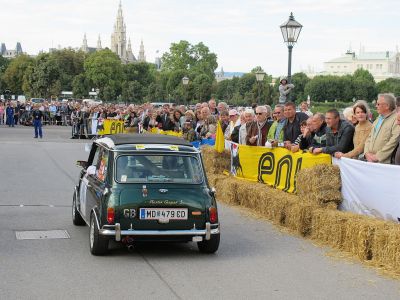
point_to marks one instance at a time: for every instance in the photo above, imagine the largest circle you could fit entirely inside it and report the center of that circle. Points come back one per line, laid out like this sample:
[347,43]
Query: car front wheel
[98,243]
[209,246]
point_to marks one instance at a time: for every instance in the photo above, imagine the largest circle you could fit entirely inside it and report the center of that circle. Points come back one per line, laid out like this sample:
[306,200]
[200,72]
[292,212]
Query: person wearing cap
[188,131]
[284,89]
[234,121]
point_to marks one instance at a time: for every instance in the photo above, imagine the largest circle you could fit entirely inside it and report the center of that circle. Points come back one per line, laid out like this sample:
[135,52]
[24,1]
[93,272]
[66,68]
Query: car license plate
[163,213]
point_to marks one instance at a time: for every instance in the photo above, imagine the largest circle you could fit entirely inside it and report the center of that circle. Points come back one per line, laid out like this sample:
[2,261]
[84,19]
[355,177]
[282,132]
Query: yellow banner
[167,132]
[276,167]
[112,127]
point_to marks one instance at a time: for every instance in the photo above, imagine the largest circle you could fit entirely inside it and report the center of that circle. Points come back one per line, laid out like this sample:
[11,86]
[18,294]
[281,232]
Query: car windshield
[156,168]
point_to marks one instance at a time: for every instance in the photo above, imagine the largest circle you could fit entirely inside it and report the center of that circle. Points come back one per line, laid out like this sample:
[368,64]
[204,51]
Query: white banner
[370,188]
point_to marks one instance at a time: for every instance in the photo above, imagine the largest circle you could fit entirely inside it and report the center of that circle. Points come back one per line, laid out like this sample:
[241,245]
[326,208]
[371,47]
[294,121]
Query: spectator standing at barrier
[362,130]
[319,131]
[284,90]
[234,121]
[275,133]
[17,112]
[396,153]
[64,114]
[248,118]
[164,119]
[10,114]
[348,114]
[384,135]
[224,119]
[188,132]
[339,135]
[52,113]
[222,106]
[305,109]
[37,116]
[291,129]
[1,113]
[213,107]
[304,140]
[257,131]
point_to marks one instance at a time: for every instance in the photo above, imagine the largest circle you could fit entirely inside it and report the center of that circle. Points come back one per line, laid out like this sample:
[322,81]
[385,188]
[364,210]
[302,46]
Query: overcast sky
[243,34]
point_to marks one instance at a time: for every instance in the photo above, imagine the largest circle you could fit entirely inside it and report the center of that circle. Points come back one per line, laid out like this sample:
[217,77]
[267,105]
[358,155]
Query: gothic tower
[141,57]
[99,44]
[118,37]
[85,47]
[129,54]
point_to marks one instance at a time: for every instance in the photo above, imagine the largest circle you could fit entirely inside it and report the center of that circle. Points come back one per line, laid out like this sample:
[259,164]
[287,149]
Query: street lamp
[290,32]
[185,82]
[259,77]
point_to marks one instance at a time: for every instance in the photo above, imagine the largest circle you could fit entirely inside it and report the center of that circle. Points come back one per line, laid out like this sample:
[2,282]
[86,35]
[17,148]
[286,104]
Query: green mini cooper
[136,188]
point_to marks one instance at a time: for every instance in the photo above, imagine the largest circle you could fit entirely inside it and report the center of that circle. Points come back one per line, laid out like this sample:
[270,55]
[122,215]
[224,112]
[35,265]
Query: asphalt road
[255,260]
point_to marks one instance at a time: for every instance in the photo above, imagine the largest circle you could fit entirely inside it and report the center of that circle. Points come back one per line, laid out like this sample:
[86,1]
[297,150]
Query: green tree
[390,85]
[364,85]
[13,75]
[192,59]
[132,91]
[202,87]
[81,86]
[299,80]
[104,70]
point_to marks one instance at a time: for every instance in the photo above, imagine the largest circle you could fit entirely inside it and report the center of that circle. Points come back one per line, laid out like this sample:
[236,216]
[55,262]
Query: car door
[96,182]
[83,187]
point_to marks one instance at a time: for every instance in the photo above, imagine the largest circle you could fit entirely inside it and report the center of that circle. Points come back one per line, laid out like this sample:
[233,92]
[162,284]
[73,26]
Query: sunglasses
[259,114]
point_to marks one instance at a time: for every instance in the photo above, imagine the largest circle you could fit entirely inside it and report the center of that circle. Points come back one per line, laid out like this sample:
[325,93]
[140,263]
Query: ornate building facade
[381,65]
[120,45]
[10,53]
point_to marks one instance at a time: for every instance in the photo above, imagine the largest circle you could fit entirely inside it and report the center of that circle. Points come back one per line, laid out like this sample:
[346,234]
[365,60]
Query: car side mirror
[91,170]
[88,147]
[82,163]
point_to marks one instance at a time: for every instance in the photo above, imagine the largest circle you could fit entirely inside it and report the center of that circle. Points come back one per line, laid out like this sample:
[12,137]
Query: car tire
[210,246]
[98,244]
[76,215]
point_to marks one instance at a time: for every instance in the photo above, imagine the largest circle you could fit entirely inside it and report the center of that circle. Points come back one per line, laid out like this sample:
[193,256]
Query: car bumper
[115,230]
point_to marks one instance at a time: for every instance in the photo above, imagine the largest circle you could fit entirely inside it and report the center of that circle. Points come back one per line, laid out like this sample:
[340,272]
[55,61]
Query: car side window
[102,164]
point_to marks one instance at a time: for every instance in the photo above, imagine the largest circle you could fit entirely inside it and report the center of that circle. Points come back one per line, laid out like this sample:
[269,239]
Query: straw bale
[328,227]
[359,235]
[215,162]
[226,190]
[386,246]
[299,216]
[320,184]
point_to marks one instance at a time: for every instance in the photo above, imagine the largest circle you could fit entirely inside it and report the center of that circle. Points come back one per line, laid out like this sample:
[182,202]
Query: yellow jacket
[383,143]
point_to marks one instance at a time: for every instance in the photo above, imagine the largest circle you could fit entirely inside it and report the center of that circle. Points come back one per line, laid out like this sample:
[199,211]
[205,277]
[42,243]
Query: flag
[219,141]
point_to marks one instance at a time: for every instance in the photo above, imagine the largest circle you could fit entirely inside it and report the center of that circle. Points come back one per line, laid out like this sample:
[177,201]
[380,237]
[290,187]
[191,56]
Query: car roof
[155,142]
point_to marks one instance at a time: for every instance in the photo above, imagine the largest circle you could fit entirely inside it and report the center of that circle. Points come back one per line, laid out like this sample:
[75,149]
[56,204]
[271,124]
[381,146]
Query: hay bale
[215,162]
[226,190]
[328,227]
[320,184]
[359,235]
[386,246]
[299,216]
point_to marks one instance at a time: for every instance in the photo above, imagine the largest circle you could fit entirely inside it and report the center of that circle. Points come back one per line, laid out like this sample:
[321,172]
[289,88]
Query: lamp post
[259,77]
[185,82]
[290,32]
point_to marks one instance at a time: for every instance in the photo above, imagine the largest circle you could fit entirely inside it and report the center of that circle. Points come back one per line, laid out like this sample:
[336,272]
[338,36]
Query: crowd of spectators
[352,134]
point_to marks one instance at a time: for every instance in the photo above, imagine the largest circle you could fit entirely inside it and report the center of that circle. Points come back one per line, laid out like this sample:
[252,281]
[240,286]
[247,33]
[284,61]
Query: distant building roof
[349,57]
